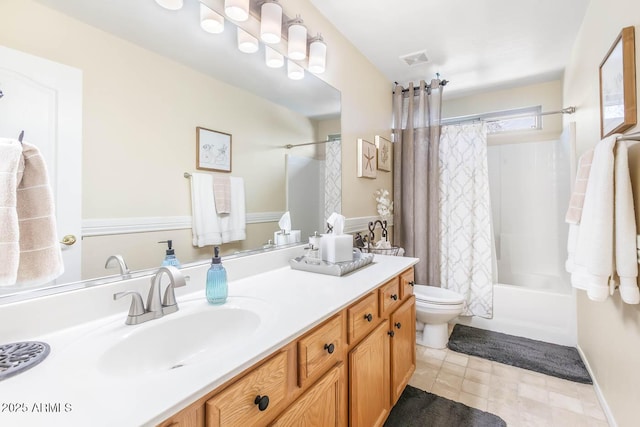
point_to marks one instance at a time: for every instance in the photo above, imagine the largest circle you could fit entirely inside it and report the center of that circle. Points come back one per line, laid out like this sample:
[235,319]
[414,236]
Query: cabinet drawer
[320,349]
[389,294]
[406,284]
[362,317]
[236,405]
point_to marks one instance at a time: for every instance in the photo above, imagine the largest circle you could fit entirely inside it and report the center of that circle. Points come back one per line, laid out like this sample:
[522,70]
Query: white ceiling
[475,44]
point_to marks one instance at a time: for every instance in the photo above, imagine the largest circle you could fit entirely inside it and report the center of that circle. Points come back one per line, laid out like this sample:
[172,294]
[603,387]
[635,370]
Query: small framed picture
[367,159]
[618,85]
[384,153]
[213,150]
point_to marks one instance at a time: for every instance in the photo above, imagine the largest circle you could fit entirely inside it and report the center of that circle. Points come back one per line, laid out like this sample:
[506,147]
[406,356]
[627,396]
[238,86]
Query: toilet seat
[433,295]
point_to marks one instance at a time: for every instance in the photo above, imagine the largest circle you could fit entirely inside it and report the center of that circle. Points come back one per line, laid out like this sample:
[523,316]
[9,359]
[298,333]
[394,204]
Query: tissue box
[336,248]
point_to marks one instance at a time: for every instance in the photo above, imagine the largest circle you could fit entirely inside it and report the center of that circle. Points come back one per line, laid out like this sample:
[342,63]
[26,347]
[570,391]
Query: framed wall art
[367,159]
[213,150]
[618,85]
[384,153]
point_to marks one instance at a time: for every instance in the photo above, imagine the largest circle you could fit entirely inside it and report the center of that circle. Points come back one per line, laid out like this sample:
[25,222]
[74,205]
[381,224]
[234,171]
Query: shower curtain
[416,132]
[465,211]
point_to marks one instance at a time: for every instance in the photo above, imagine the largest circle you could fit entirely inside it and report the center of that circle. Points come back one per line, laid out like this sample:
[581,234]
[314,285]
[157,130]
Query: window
[505,121]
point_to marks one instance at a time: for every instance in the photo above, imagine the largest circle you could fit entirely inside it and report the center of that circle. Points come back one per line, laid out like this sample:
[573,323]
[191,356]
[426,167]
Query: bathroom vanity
[353,366]
[287,346]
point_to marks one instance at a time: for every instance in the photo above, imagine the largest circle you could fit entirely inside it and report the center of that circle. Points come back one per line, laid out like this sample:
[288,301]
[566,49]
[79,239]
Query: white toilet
[434,308]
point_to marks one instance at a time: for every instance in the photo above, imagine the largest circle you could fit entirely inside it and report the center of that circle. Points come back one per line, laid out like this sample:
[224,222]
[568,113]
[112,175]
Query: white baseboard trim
[605,406]
[110,226]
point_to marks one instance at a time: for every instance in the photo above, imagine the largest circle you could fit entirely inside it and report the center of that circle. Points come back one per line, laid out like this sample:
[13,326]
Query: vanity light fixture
[238,10]
[294,71]
[171,4]
[271,22]
[317,55]
[297,39]
[273,59]
[246,42]
[211,21]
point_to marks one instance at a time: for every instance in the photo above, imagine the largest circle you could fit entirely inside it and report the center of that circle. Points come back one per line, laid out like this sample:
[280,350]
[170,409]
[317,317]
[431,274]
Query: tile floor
[518,396]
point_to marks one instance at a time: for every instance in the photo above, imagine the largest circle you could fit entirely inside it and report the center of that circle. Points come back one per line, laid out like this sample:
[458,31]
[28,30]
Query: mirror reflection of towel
[222,194]
[29,234]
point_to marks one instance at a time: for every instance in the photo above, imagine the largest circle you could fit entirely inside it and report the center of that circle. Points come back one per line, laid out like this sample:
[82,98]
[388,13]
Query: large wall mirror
[143,78]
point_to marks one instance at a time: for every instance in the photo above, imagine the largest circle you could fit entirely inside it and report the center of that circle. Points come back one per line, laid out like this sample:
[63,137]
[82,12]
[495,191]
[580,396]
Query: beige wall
[548,95]
[139,107]
[608,332]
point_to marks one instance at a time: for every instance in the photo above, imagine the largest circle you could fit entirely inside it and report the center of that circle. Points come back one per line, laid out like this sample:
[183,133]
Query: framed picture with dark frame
[213,150]
[618,111]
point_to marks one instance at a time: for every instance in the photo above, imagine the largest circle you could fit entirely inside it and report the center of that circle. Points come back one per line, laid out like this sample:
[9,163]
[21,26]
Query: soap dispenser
[217,288]
[170,257]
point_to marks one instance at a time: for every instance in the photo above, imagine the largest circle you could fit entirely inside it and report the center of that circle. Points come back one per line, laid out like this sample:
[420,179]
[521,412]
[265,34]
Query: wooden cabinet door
[243,403]
[403,347]
[192,416]
[324,404]
[369,386]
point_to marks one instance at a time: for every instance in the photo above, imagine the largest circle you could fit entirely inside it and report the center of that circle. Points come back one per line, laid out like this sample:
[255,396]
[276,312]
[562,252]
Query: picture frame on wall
[367,159]
[384,147]
[618,111]
[213,150]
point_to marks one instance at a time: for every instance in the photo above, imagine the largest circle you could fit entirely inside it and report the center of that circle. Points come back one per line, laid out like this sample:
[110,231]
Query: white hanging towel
[604,242]
[625,228]
[204,222]
[592,267]
[233,225]
[10,156]
[208,226]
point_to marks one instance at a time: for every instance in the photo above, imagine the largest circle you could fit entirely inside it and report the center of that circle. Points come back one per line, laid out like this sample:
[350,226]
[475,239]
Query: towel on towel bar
[28,208]
[574,213]
[209,227]
[222,194]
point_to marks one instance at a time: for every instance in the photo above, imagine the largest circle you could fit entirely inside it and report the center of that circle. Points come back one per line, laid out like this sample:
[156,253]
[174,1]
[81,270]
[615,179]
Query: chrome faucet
[156,307]
[119,260]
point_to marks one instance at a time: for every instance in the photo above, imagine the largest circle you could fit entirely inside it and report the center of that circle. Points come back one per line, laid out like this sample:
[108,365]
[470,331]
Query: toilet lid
[435,295]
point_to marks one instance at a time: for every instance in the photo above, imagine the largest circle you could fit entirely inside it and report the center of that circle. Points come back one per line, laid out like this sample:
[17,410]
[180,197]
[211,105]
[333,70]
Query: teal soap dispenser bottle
[217,289]
[170,257]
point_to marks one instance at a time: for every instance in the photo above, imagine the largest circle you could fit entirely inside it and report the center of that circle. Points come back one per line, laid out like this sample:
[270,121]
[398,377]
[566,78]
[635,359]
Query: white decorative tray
[333,269]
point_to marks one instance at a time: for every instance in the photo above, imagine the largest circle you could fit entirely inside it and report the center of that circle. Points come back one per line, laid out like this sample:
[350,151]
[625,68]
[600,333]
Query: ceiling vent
[415,58]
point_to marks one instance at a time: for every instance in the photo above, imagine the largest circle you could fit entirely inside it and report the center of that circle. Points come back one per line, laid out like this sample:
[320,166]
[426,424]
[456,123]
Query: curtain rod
[289,146]
[488,117]
[630,137]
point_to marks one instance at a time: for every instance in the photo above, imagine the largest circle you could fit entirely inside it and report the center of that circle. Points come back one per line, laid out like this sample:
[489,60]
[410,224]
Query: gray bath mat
[418,408]
[546,358]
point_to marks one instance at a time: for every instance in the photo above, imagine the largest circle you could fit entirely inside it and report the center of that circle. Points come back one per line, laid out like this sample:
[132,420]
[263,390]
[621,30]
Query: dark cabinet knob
[391,333]
[394,297]
[369,317]
[262,402]
[398,325]
[329,347]
[412,283]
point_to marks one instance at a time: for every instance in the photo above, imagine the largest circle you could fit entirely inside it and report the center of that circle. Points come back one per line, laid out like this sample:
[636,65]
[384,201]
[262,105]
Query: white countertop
[70,389]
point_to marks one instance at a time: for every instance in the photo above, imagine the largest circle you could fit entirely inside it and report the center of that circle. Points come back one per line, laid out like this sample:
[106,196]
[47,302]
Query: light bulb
[246,42]
[271,22]
[297,48]
[272,58]
[294,71]
[210,21]
[317,55]
[238,10]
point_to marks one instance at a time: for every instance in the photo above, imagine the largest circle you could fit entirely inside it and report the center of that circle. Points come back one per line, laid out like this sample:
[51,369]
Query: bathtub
[545,314]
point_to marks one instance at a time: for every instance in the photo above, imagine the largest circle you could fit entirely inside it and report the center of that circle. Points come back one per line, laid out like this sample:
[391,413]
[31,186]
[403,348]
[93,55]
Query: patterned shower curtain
[465,217]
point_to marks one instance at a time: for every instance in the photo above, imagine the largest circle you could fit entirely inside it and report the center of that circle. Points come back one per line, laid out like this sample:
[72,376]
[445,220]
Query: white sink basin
[197,333]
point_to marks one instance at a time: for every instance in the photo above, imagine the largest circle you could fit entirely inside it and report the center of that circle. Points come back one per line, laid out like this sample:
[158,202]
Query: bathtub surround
[419,408]
[465,217]
[543,357]
[416,135]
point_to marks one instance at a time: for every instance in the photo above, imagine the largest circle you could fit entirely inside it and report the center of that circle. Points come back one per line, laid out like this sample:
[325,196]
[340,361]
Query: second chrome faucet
[156,306]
